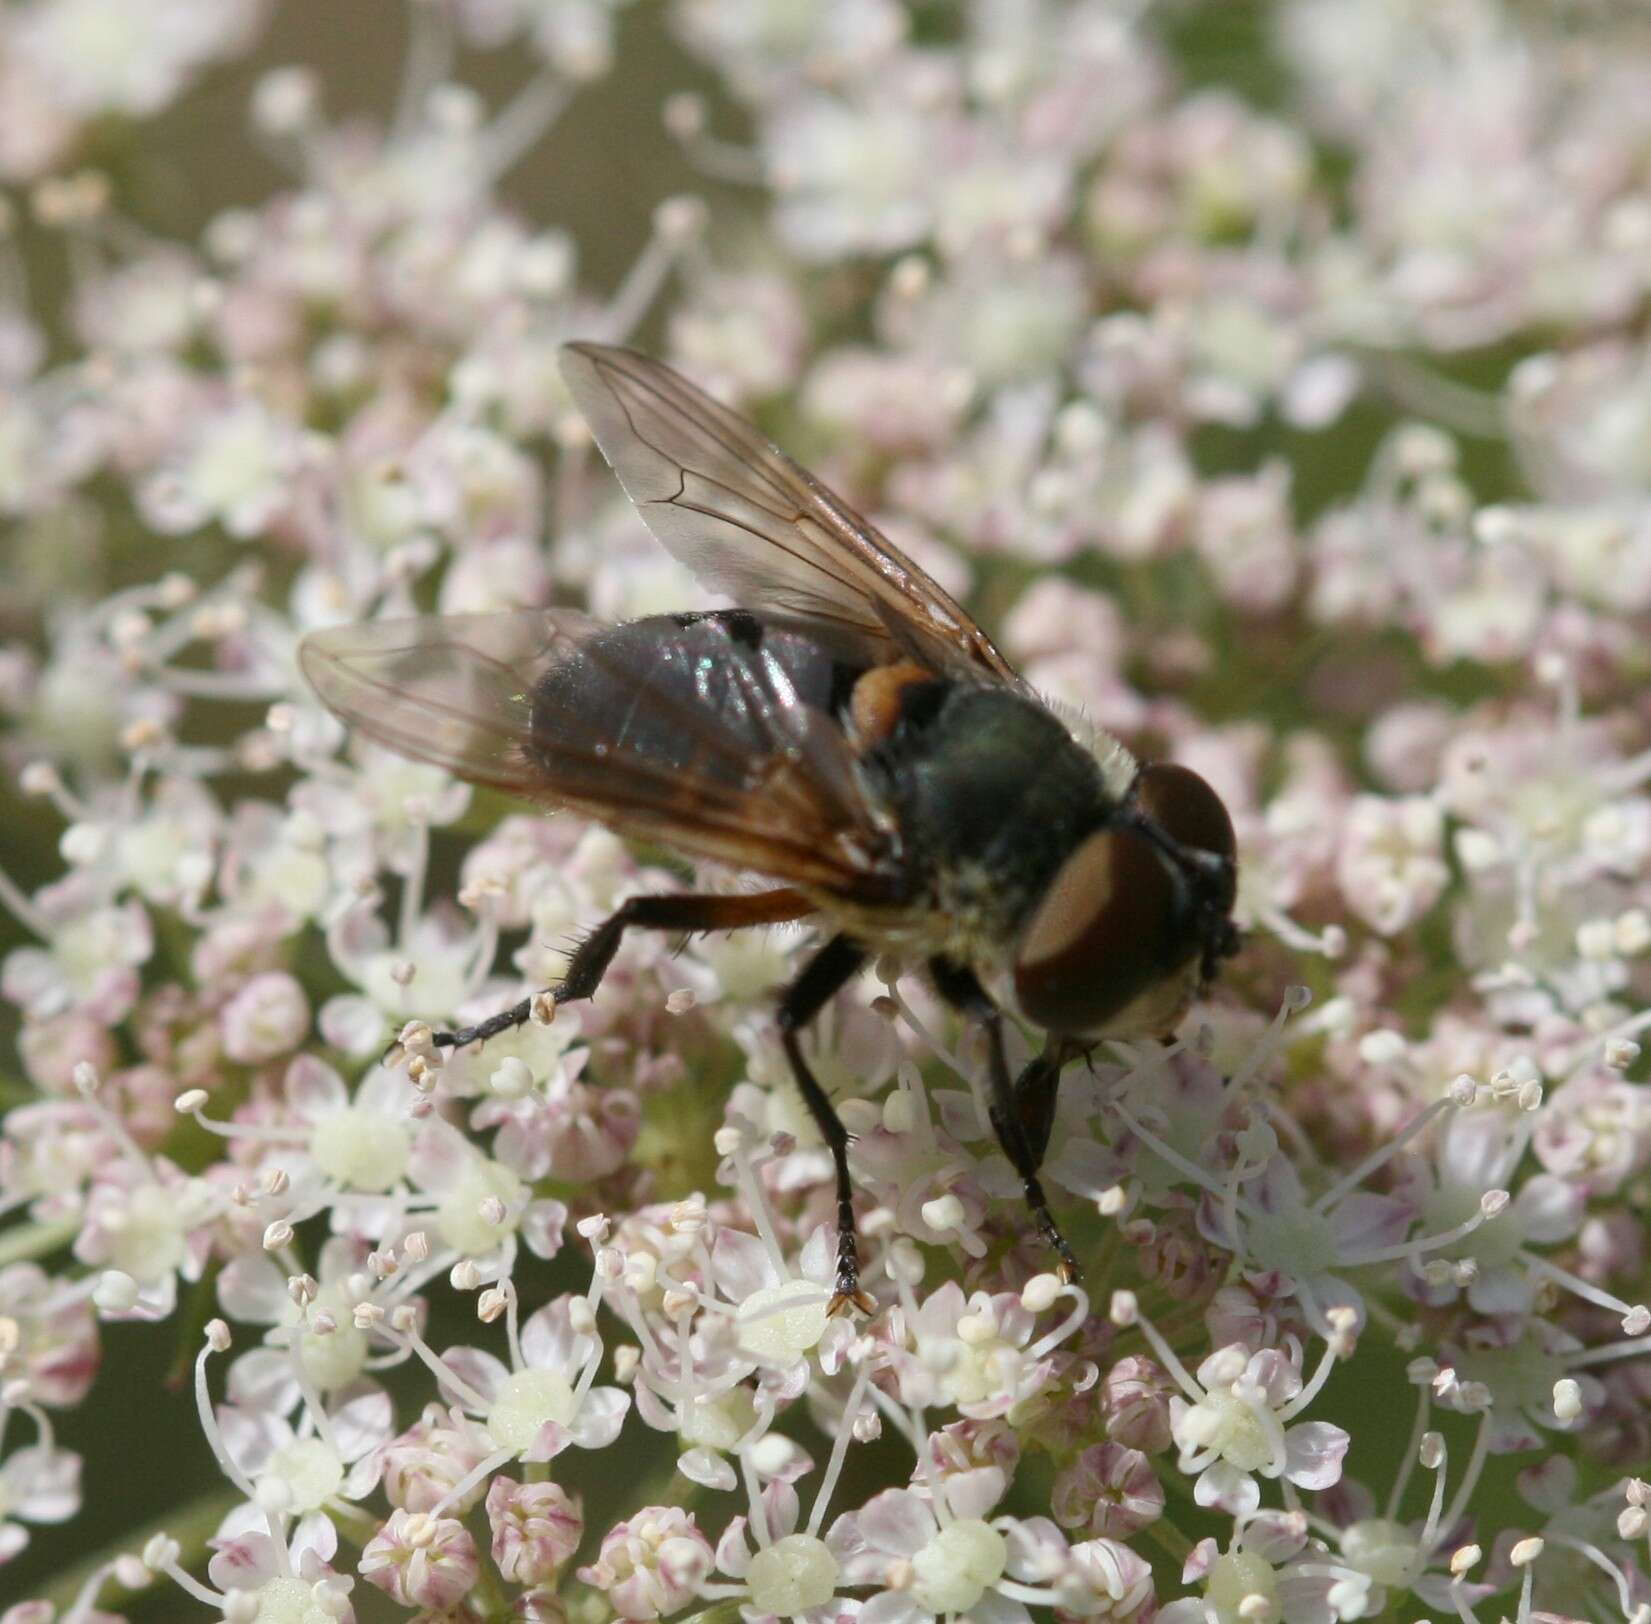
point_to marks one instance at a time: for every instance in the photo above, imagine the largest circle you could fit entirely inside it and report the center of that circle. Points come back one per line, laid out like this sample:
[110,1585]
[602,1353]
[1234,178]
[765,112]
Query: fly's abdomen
[677,693]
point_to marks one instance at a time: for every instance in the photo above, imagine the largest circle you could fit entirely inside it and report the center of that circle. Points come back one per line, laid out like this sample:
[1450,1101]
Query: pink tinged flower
[479,1203]
[902,402]
[1477,1151]
[1103,1580]
[1135,1395]
[852,178]
[297,1583]
[437,1453]
[537,1410]
[536,1528]
[275,867]
[51,1341]
[236,470]
[539,1607]
[268,1017]
[449,957]
[567,1130]
[302,1471]
[512,865]
[1306,1243]
[653,1564]
[363,1143]
[420,1560]
[145,305]
[973,1462]
[89,964]
[1594,1131]
[40,1484]
[977,1353]
[51,1049]
[99,58]
[1236,1429]
[317,1335]
[779,1317]
[926,1570]
[1269,1570]
[791,1573]
[1245,535]
[1391,866]
[151,1223]
[1109,1490]
[1237,1423]
[397,800]
[50,1153]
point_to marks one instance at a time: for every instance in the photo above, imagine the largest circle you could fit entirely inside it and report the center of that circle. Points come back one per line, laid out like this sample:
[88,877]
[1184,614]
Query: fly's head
[1139,916]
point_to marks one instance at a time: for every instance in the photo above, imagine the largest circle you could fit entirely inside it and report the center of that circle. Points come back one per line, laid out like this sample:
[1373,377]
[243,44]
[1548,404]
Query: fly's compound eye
[1185,808]
[1107,928]
[1180,806]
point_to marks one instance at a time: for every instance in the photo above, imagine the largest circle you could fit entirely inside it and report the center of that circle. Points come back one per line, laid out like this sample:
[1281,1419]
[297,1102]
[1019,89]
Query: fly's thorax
[989,793]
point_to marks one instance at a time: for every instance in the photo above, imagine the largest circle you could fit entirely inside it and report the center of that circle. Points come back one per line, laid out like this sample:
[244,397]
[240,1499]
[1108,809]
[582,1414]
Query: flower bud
[420,1560]
[651,1564]
[536,1528]
[1135,1401]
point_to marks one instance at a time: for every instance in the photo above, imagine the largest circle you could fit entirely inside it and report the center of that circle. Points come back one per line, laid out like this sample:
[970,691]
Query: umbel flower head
[1271,384]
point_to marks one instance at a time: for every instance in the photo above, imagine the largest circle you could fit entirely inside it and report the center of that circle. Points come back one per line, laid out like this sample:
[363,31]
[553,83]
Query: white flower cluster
[1274,379]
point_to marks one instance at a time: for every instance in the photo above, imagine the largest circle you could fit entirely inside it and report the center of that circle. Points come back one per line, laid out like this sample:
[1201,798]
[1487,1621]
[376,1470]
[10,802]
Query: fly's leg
[823,976]
[590,961]
[1011,1135]
[1035,1090]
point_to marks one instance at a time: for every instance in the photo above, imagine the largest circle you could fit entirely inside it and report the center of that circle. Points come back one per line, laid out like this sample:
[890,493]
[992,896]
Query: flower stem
[28,1241]
[1169,1539]
[724,1612]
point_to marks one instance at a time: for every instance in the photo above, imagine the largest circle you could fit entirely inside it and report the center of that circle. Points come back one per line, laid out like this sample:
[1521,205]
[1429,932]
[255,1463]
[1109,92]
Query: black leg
[1035,1088]
[823,976]
[1036,1092]
[688,912]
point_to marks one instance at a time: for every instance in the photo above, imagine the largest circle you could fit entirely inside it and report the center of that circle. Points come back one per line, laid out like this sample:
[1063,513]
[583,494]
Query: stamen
[1470,1478]
[1295,1000]
[731,1143]
[412,886]
[1311,1387]
[1051,1340]
[1412,1453]
[1125,1310]
[524,121]
[1491,1203]
[1577,1286]
[1619,1578]
[23,910]
[217,1341]
[1352,1180]
[758,1520]
[160,1555]
[677,221]
[429,63]
[438,1366]
[839,1446]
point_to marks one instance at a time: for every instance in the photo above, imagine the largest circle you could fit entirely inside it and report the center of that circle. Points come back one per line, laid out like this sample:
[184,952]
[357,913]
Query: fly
[848,732]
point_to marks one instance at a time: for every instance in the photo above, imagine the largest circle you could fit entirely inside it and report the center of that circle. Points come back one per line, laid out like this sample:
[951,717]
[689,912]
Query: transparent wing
[455,690]
[753,524]
[551,705]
